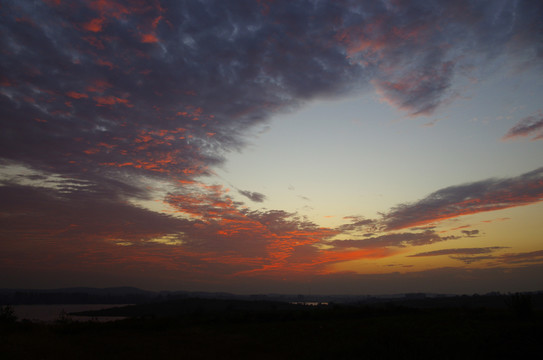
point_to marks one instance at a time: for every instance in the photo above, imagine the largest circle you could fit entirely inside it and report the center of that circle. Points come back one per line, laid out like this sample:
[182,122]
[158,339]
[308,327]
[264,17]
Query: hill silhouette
[248,329]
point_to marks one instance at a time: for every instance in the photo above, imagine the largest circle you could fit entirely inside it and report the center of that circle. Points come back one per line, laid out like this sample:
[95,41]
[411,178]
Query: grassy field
[232,330]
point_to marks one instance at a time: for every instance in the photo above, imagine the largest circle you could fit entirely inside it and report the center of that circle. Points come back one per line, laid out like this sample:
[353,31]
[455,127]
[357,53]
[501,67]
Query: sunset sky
[259,146]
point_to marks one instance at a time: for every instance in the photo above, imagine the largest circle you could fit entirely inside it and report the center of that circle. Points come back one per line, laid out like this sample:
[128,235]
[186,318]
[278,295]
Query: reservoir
[50,313]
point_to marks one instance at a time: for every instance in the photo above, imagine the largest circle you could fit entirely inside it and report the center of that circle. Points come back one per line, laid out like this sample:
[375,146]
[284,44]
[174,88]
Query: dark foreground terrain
[235,329]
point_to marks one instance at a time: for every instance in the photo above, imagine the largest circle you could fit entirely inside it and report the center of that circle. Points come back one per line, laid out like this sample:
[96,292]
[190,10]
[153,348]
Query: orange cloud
[106,63]
[109,8]
[97,43]
[111,100]
[76,95]
[95,25]
[99,86]
[5,82]
[328,257]
[149,38]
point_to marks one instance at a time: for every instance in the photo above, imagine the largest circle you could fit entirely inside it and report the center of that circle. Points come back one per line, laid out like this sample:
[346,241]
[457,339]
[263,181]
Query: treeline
[243,329]
[519,305]
[129,295]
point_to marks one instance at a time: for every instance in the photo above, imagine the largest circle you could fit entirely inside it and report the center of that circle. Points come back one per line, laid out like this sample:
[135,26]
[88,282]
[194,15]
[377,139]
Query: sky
[267,146]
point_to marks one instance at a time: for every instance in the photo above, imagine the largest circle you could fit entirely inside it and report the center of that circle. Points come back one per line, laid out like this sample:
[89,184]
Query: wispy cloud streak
[471,255]
[253,196]
[455,201]
[460,251]
[527,127]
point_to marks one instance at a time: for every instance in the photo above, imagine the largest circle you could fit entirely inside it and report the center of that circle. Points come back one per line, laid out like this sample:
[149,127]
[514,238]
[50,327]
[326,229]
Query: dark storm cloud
[529,126]
[253,196]
[472,198]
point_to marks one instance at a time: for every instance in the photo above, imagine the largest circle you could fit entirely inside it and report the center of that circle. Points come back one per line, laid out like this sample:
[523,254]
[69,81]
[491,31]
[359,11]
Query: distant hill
[132,295]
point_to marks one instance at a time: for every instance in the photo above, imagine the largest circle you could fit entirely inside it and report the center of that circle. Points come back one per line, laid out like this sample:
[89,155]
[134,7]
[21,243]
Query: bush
[520,304]
[7,314]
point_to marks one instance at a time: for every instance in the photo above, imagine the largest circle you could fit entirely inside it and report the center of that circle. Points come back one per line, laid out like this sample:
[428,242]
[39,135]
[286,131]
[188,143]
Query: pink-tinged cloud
[376,38]
[95,25]
[99,86]
[111,8]
[297,53]
[149,38]
[105,63]
[418,93]
[417,87]
[94,41]
[277,238]
[110,100]
[76,95]
[329,257]
[461,227]
[495,220]
[473,198]
[5,82]
[530,126]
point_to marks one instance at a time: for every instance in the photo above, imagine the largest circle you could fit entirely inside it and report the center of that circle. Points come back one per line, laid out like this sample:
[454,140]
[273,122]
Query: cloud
[76,229]
[253,196]
[529,126]
[394,240]
[419,94]
[472,198]
[466,255]
[357,223]
[523,257]
[471,259]
[220,68]
[58,227]
[414,48]
[461,251]
[114,105]
[470,233]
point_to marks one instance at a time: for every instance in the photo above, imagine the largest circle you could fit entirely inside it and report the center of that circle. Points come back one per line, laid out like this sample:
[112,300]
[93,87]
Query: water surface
[49,313]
